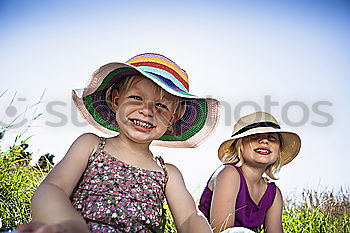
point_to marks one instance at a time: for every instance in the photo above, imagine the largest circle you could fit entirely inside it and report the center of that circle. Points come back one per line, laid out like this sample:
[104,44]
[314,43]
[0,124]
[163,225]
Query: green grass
[315,212]
[169,225]
[318,212]
[17,184]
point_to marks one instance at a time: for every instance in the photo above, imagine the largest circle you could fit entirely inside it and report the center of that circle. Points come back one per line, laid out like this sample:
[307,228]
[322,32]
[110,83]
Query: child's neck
[131,147]
[252,175]
[134,154]
[256,185]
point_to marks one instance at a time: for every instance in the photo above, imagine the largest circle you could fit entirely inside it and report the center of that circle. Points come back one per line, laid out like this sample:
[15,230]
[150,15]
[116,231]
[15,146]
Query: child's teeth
[265,151]
[143,124]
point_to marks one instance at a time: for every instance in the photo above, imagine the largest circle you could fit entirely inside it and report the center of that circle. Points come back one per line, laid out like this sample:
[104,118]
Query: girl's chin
[141,139]
[261,162]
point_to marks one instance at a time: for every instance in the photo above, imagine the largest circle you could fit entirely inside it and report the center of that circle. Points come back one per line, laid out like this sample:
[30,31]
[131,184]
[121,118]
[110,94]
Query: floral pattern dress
[114,196]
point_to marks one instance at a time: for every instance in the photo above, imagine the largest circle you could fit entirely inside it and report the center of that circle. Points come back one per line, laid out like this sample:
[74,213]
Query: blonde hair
[126,83]
[233,154]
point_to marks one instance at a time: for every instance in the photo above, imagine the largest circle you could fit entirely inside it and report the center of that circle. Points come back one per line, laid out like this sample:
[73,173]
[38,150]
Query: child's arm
[182,205]
[50,203]
[225,191]
[273,218]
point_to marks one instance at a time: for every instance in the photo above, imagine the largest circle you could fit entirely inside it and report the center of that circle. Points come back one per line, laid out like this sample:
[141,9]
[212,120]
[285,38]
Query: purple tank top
[248,213]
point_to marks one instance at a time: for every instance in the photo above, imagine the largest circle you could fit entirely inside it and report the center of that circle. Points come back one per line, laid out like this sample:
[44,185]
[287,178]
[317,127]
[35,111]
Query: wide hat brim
[198,122]
[291,142]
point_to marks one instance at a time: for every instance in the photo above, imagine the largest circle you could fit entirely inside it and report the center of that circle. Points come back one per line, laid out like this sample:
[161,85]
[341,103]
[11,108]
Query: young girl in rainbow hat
[116,184]
[238,195]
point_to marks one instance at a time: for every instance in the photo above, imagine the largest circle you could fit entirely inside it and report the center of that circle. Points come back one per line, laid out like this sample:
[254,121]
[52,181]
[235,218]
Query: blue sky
[291,58]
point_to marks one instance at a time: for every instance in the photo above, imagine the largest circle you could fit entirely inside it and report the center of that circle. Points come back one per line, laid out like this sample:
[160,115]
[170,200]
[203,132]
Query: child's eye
[135,97]
[271,138]
[254,136]
[163,106]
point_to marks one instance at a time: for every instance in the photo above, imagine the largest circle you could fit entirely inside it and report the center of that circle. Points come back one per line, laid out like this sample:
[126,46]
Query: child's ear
[115,95]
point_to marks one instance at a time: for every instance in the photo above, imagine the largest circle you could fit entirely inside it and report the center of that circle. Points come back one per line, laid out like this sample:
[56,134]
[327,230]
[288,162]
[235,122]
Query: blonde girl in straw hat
[238,194]
[116,184]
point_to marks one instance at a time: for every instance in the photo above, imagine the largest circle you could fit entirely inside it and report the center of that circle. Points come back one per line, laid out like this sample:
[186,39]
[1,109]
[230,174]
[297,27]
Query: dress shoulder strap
[102,143]
[99,149]
[270,193]
[161,163]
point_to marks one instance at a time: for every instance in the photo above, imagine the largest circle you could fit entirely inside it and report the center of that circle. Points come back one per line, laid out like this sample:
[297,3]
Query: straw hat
[198,122]
[262,122]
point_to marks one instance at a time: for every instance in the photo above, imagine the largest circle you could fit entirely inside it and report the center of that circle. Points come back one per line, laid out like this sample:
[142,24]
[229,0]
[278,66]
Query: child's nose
[148,108]
[264,139]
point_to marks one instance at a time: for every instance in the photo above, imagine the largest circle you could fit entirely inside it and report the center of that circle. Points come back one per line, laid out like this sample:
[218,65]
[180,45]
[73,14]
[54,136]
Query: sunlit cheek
[163,121]
[250,145]
[245,148]
[124,112]
[163,118]
[120,119]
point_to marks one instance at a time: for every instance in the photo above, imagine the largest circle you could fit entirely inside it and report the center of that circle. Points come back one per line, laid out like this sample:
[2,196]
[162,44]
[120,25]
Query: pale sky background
[247,54]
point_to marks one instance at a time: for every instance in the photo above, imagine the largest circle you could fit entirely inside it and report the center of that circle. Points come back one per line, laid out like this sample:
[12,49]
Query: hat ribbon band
[256,125]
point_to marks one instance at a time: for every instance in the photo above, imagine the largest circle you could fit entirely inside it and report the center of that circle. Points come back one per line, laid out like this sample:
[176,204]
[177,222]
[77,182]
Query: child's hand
[30,226]
[66,227]
[39,227]
[237,230]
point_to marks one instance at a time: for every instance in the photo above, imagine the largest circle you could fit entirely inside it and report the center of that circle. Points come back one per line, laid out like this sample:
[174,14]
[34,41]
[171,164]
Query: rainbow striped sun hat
[197,123]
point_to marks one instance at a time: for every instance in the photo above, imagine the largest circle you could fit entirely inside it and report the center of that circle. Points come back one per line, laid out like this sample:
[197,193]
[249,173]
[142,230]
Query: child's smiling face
[261,148]
[142,113]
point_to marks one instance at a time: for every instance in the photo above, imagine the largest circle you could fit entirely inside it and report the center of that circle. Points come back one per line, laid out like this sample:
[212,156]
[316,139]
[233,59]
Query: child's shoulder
[88,140]
[91,137]
[171,168]
[227,172]
[174,173]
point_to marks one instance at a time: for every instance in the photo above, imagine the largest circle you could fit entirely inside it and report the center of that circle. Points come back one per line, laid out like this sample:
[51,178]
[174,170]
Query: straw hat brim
[191,130]
[291,142]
